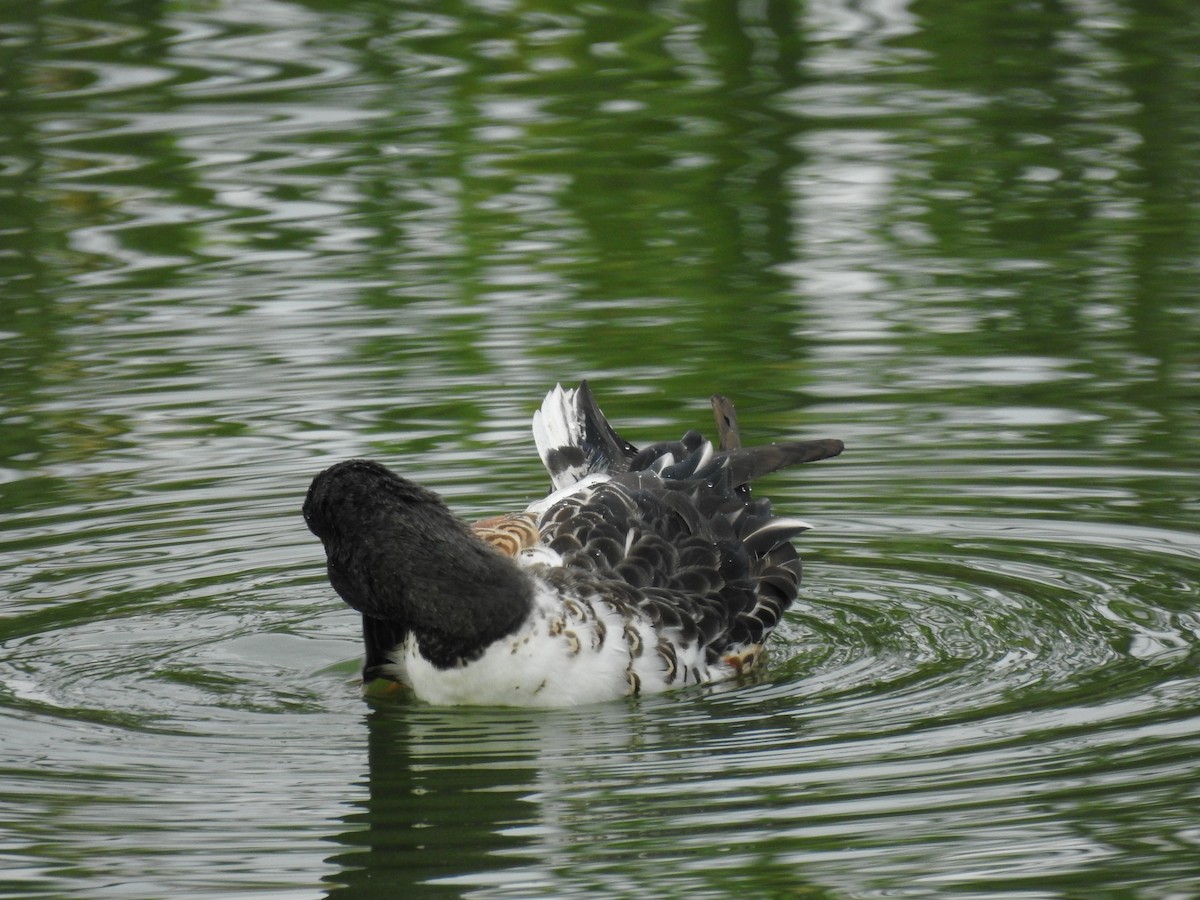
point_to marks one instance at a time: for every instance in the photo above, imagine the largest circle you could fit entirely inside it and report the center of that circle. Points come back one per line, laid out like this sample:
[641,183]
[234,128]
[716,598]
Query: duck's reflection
[463,799]
[607,799]
[445,799]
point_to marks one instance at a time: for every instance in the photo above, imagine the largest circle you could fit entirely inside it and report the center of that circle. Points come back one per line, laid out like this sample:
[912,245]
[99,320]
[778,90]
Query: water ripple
[251,239]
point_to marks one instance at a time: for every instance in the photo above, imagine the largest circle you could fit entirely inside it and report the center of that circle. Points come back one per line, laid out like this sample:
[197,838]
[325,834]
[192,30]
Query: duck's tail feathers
[574,439]
[745,464]
[730,472]
[729,436]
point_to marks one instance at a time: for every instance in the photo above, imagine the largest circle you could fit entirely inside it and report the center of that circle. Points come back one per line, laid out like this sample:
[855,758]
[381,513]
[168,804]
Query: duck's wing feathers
[669,532]
[678,543]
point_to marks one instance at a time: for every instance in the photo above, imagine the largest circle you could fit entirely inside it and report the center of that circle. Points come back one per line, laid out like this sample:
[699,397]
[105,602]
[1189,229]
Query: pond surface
[241,240]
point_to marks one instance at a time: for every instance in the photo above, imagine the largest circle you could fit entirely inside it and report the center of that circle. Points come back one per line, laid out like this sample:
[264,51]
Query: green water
[241,240]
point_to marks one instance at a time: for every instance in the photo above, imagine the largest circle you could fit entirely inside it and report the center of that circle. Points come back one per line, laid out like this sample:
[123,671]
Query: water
[240,241]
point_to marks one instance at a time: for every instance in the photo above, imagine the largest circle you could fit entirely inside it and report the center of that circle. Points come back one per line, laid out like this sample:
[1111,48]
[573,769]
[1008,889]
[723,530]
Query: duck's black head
[396,553]
[383,534]
[351,498]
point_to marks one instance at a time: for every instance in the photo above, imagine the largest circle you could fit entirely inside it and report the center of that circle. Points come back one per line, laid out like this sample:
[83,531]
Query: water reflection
[237,243]
[542,804]
[444,796]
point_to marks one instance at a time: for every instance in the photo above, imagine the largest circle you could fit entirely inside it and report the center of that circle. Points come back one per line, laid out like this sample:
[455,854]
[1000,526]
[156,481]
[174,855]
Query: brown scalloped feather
[510,534]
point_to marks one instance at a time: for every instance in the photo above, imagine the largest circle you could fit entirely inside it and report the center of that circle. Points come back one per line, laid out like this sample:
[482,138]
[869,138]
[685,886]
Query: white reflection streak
[846,181]
[838,20]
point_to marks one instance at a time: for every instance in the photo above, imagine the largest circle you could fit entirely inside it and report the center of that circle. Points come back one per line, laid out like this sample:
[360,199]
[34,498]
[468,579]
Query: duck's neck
[438,582]
[456,614]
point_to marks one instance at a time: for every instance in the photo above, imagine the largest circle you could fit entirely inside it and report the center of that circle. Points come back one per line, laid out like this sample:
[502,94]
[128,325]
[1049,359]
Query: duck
[640,571]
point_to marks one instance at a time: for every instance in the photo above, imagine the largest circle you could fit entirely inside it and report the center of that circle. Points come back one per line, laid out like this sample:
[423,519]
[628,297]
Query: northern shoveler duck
[643,570]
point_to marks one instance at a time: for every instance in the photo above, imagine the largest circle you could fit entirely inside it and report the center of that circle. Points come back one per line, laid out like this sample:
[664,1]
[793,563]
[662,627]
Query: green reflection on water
[237,241]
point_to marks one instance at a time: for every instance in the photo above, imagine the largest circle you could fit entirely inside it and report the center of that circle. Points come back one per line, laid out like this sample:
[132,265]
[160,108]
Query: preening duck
[642,571]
